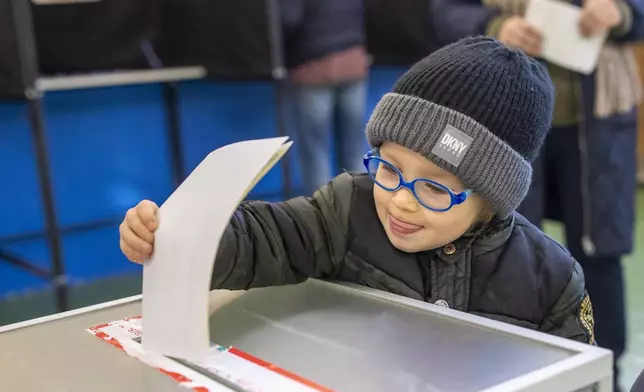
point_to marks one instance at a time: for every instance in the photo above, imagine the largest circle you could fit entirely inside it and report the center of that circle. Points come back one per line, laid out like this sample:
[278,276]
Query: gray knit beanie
[475,108]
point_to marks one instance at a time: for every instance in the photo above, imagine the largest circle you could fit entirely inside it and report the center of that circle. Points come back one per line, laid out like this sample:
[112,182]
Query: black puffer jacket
[508,271]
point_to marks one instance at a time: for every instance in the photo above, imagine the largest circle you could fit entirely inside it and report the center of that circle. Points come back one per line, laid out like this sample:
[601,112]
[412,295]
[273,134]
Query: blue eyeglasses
[430,194]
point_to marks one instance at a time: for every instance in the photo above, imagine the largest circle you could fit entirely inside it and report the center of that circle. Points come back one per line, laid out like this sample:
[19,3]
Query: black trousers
[556,192]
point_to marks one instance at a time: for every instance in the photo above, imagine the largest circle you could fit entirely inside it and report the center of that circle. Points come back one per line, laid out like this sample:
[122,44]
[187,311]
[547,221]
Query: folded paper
[176,280]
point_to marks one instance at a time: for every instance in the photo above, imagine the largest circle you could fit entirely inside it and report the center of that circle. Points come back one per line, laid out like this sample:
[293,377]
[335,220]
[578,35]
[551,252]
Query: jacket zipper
[587,244]
[425,264]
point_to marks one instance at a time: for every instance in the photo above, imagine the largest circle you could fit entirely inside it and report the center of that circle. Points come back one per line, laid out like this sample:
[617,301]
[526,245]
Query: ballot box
[336,336]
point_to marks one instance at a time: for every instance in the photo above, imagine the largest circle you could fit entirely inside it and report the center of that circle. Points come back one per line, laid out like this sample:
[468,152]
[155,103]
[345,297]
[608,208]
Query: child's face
[412,227]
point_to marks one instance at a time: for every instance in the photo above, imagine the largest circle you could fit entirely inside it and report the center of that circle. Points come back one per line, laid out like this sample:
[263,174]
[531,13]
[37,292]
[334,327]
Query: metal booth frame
[36,88]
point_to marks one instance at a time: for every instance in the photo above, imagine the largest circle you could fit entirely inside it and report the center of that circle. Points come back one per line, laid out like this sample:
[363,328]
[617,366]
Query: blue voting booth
[85,137]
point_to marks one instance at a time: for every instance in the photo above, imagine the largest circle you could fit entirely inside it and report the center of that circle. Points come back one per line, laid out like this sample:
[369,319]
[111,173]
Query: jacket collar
[493,236]
[481,239]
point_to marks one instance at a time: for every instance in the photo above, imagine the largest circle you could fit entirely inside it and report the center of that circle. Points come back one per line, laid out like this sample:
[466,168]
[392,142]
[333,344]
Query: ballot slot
[225,368]
[205,372]
[211,375]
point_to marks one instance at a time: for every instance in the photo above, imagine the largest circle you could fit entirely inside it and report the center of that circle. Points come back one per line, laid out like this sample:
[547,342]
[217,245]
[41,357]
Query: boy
[462,126]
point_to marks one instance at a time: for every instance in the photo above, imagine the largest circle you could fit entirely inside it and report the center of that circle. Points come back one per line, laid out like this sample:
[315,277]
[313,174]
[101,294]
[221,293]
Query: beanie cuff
[456,143]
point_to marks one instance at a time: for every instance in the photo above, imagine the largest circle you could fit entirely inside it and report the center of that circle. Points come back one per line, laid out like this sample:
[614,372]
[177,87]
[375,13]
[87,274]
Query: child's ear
[487,213]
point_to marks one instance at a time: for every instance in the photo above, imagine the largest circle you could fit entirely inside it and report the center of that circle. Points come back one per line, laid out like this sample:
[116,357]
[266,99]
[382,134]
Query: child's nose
[405,200]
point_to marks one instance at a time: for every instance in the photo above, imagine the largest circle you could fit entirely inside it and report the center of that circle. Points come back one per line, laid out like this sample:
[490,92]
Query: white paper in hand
[176,280]
[563,43]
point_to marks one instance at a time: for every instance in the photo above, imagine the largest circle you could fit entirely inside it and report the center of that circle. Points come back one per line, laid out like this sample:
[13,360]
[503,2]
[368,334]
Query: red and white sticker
[241,369]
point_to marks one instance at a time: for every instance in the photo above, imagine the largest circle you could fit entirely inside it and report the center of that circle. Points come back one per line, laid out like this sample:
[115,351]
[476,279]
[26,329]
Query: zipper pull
[587,245]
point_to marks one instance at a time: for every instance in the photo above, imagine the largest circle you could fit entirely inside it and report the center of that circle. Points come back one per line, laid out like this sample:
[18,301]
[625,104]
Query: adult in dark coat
[585,176]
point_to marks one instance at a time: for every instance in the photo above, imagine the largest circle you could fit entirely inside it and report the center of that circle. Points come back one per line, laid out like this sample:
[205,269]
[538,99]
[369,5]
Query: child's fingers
[147,211]
[135,223]
[131,254]
[134,241]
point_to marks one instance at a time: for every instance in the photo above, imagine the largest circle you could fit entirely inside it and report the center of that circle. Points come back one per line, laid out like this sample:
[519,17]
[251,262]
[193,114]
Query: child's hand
[137,231]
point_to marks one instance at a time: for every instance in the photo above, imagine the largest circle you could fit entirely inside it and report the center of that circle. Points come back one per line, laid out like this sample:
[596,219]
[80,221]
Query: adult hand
[598,16]
[516,32]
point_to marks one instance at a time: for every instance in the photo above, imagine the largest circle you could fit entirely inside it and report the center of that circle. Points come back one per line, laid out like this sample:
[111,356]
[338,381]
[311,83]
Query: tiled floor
[18,309]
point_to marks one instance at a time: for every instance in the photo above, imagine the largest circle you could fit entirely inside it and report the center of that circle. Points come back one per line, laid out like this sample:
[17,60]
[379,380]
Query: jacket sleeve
[272,244]
[572,315]
[457,19]
[632,28]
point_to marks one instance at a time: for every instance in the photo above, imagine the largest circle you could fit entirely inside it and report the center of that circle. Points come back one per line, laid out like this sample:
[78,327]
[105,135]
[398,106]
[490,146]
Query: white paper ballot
[563,43]
[176,280]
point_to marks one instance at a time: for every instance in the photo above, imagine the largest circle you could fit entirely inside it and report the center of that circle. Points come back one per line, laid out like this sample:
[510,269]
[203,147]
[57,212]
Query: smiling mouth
[401,227]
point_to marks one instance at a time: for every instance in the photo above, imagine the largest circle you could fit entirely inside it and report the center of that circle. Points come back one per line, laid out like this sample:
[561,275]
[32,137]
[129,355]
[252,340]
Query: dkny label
[452,145]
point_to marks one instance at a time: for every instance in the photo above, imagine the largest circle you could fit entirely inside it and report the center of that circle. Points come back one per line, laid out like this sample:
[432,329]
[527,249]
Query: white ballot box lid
[343,337]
